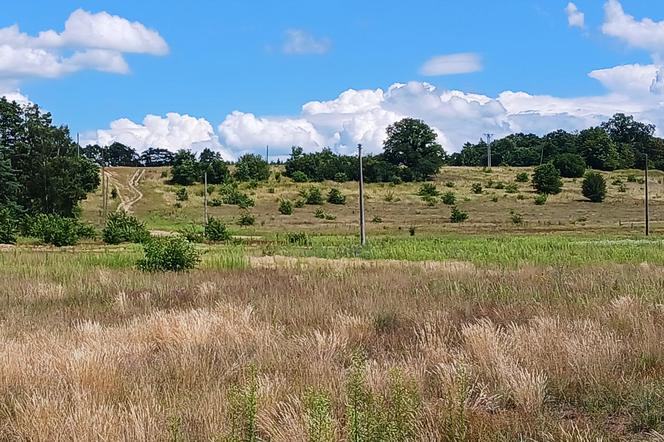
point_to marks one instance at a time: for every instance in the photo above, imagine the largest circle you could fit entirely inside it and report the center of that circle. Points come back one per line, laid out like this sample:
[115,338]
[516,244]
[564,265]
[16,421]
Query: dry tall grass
[431,353]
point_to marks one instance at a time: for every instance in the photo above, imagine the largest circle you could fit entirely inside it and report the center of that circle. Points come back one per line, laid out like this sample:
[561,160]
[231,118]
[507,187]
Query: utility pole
[267,154]
[205,198]
[78,144]
[363,233]
[647,211]
[488,149]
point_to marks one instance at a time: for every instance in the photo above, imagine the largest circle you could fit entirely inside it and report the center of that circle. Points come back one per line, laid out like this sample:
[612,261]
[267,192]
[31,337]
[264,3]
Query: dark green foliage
[121,227]
[334,196]
[299,177]
[546,179]
[170,254]
[54,229]
[458,216]
[231,194]
[449,198]
[476,188]
[320,213]
[116,154]
[286,207]
[114,193]
[215,202]
[156,157]
[312,196]
[540,199]
[522,177]
[340,177]
[216,231]
[511,188]
[570,165]
[217,171]
[411,147]
[8,226]
[193,233]
[298,238]
[428,190]
[594,187]
[185,170]
[252,167]
[246,219]
[181,194]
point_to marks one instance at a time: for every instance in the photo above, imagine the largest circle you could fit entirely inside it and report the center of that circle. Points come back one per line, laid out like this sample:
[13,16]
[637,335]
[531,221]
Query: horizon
[238,78]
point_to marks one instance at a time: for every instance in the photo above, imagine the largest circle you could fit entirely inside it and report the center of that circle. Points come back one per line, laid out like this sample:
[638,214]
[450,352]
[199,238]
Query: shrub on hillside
[522,177]
[546,179]
[594,187]
[458,216]
[8,226]
[449,198]
[476,188]
[246,219]
[428,190]
[340,177]
[54,229]
[286,207]
[335,196]
[216,231]
[192,233]
[299,177]
[570,165]
[540,199]
[298,238]
[511,188]
[121,227]
[312,196]
[171,254]
[181,194]
[252,167]
[231,195]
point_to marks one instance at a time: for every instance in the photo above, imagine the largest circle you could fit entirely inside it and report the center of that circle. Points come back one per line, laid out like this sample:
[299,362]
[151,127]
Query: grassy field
[395,209]
[297,349]
[549,329]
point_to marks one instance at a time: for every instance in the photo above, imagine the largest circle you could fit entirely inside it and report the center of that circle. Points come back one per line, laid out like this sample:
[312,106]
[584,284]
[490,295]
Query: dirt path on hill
[126,202]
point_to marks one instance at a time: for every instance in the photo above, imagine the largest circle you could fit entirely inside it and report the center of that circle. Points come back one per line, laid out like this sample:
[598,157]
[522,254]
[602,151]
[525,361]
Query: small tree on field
[594,187]
[546,179]
[336,197]
[215,230]
[252,167]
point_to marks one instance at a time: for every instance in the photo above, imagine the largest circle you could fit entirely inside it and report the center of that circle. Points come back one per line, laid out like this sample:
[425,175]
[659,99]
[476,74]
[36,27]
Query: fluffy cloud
[644,34]
[575,18]
[175,131]
[452,64]
[97,41]
[300,42]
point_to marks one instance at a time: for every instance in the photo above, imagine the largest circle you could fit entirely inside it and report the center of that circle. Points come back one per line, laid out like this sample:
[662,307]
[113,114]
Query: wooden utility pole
[205,198]
[647,211]
[488,150]
[363,233]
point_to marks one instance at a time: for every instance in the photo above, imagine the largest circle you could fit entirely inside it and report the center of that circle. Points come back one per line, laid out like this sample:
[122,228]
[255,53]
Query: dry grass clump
[358,353]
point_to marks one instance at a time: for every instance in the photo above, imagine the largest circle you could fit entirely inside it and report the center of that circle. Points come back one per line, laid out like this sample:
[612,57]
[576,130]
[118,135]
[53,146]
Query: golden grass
[448,352]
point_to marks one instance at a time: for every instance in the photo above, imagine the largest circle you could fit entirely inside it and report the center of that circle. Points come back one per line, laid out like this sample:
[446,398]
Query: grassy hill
[395,209]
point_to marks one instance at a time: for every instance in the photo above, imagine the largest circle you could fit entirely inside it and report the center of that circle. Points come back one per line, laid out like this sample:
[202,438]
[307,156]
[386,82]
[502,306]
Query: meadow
[549,329]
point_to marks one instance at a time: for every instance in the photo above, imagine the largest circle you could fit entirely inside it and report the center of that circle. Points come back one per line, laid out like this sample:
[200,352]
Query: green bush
[181,194]
[216,231]
[171,254]
[570,165]
[594,187]
[340,177]
[449,184]
[631,178]
[428,190]
[8,226]
[320,213]
[215,202]
[114,193]
[335,196]
[299,203]
[298,238]
[449,198]
[540,199]
[54,229]
[622,188]
[299,177]
[312,196]
[286,207]
[522,177]
[246,219]
[476,188]
[193,233]
[252,167]
[231,195]
[511,188]
[121,227]
[546,179]
[458,216]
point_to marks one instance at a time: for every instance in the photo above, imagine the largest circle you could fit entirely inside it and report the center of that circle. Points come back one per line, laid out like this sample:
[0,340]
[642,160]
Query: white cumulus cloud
[89,41]
[452,64]
[301,42]
[575,18]
[642,34]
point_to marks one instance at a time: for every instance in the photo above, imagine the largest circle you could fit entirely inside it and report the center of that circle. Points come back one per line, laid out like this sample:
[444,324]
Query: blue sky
[232,56]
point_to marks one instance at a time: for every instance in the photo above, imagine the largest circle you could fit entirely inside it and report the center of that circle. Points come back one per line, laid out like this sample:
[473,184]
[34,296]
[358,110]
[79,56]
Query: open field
[399,207]
[550,331]
[282,348]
